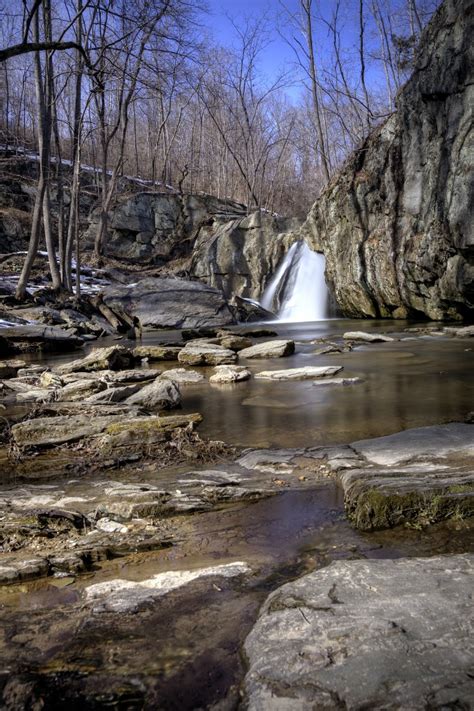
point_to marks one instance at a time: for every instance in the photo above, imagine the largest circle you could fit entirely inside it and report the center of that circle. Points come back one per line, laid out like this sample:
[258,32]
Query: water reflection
[407,383]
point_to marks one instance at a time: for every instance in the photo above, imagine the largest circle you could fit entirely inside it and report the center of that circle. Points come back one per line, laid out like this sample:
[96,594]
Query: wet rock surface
[343,636]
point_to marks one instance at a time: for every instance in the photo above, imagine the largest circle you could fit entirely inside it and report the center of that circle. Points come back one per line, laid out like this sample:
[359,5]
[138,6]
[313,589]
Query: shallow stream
[183,652]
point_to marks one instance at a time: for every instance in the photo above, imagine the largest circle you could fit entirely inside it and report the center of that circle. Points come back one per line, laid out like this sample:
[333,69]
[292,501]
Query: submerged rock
[307,373]
[368,337]
[342,636]
[127,595]
[269,349]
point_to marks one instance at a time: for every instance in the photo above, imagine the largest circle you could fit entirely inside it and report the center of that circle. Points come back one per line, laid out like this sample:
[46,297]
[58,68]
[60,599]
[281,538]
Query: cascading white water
[275,283]
[298,289]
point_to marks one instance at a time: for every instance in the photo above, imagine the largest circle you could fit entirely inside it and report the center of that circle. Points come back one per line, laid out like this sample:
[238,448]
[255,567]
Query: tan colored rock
[182,376]
[80,390]
[111,358]
[367,337]
[50,431]
[235,343]
[269,349]
[206,354]
[230,374]
[308,373]
[144,431]
[157,352]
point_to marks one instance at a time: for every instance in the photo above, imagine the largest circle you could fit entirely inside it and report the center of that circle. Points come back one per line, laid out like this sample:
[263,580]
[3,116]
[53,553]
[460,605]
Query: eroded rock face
[159,227]
[395,224]
[171,303]
[240,256]
[341,636]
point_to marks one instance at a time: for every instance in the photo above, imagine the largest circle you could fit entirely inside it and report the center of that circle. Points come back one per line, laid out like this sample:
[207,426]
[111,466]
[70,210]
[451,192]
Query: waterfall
[298,291]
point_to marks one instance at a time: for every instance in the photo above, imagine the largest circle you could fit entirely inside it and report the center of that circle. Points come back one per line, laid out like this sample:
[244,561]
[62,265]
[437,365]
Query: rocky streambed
[155,494]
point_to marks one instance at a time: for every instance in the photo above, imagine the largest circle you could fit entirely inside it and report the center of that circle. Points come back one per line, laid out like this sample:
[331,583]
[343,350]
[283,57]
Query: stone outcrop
[396,223]
[241,256]
[158,227]
[171,303]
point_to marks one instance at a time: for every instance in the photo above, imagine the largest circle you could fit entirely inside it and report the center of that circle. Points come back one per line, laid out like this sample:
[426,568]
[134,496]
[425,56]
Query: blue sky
[278,54]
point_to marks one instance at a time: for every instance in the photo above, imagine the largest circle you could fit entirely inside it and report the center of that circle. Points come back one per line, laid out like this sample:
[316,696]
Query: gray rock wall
[396,223]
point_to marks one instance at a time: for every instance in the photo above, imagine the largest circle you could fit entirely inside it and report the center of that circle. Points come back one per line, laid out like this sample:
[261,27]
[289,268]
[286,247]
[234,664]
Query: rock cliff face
[241,256]
[201,237]
[396,223]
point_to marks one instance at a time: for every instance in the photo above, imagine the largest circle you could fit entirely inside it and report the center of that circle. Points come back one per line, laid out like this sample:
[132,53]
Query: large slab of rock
[158,395]
[269,349]
[367,337]
[50,431]
[206,353]
[47,336]
[119,429]
[392,634]
[140,432]
[308,373]
[171,303]
[111,358]
[433,441]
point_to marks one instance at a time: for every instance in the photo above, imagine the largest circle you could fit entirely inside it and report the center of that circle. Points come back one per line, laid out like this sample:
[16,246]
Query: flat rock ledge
[378,634]
[367,337]
[417,477]
[308,373]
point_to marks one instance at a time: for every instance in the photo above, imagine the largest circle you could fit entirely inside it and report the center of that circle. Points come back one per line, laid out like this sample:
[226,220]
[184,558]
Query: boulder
[206,354]
[307,373]
[140,432]
[235,343]
[171,303]
[269,349]
[230,374]
[158,395]
[366,634]
[111,358]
